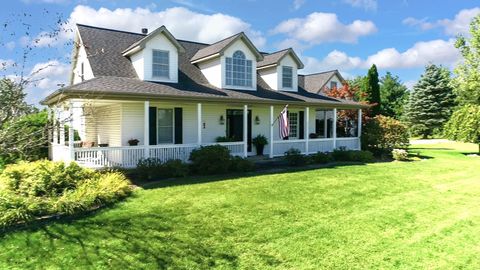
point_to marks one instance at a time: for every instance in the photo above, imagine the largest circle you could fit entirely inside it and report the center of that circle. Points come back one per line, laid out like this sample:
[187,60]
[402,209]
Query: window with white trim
[160,64]
[238,70]
[287,77]
[165,126]
[293,124]
[333,85]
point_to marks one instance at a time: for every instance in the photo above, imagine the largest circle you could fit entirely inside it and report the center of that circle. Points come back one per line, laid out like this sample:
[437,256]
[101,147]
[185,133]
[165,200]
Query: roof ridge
[322,72]
[226,38]
[110,29]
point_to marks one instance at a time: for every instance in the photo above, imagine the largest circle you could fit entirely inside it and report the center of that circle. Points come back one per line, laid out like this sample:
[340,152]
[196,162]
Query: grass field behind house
[403,215]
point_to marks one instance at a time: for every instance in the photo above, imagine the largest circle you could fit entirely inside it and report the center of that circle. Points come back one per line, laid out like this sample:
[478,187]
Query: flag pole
[276,119]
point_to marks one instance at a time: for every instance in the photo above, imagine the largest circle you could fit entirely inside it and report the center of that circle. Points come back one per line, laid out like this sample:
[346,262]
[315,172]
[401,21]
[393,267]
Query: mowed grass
[402,215]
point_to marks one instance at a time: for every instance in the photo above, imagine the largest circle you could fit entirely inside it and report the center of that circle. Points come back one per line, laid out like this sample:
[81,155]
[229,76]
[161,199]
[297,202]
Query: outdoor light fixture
[222,120]
[257,120]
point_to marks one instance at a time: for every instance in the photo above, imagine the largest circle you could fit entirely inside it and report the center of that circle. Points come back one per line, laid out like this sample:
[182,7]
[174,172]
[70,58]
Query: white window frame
[283,77]
[162,64]
[248,82]
[332,83]
[173,126]
[293,125]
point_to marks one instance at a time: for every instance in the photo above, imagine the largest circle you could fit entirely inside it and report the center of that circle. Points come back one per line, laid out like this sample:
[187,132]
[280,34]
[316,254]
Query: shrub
[321,157]
[175,168]
[352,155]
[149,168]
[224,139]
[382,134]
[212,159]
[239,164]
[400,154]
[294,157]
[42,188]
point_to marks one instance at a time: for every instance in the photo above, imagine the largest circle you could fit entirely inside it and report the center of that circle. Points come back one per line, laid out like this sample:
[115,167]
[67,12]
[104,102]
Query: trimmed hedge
[30,190]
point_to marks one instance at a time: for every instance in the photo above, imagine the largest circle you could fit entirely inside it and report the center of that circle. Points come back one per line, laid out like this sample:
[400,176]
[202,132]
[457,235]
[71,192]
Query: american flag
[284,128]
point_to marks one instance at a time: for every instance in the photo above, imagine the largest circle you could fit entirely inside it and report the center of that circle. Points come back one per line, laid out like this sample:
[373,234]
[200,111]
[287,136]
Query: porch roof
[131,88]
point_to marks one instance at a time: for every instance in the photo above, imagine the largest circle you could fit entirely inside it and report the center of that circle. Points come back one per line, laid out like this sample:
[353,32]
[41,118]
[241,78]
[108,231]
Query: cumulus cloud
[321,27]
[460,24]
[419,55]
[48,75]
[182,22]
[365,4]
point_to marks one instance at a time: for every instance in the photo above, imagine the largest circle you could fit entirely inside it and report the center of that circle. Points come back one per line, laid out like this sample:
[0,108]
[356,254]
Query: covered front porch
[173,129]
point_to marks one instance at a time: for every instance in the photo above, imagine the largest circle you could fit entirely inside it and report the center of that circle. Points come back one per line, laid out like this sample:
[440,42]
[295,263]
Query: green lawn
[410,215]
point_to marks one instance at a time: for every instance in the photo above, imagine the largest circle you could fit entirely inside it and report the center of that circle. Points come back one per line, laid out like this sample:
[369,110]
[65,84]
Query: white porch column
[61,127]
[334,128]
[359,128]
[270,155]
[146,128]
[71,132]
[55,126]
[325,124]
[307,128]
[199,124]
[245,130]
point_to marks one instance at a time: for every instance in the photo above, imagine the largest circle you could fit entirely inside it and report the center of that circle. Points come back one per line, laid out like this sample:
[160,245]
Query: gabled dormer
[155,57]
[81,68]
[279,70]
[230,63]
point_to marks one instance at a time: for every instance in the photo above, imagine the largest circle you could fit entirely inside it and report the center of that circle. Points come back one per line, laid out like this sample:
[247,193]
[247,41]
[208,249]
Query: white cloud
[6,63]
[419,55]
[321,27]
[297,4]
[409,84]
[365,4]
[48,75]
[452,27]
[10,45]
[182,22]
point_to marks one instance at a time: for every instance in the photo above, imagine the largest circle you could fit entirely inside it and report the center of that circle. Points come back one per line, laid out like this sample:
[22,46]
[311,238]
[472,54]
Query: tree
[372,90]
[12,101]
[394,95]
[358,83]
[467,79]
[431,102]
[464,125]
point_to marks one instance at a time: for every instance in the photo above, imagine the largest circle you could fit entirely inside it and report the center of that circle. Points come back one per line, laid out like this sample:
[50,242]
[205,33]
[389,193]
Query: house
[171,96]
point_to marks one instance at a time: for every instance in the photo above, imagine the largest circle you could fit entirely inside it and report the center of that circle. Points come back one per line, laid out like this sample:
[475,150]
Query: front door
[235,126]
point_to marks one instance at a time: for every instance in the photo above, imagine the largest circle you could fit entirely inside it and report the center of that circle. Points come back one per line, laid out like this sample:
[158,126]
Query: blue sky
[399,36]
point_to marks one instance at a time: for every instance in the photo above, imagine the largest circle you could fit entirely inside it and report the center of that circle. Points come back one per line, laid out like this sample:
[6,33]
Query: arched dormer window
[238,70]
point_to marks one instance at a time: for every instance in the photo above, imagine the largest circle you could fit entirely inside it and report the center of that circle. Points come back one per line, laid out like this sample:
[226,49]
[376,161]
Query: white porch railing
[129,156]
[349,143]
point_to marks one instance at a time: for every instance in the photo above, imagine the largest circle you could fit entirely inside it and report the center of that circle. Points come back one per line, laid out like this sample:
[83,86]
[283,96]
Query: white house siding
[87,69]
[270,76]
[138,64]
[334,79]
[109,125]
[159,42]
[212,70]
[287,61]
[132,122]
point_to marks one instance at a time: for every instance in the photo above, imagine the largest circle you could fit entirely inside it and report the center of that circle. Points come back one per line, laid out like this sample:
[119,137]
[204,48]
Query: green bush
[321,157]
[352,155]
[400,154]
[175,168]
[239,164]
[149,168]
[224,139]
[43,188]
[294,157]
[382,134]
[212,159]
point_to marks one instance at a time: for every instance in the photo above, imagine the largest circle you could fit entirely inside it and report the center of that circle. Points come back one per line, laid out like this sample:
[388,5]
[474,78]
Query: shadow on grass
[191,180]
[127,240]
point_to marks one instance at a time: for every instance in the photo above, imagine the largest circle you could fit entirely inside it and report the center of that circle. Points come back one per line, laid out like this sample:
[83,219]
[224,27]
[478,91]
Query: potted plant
[133,142]
[260,141]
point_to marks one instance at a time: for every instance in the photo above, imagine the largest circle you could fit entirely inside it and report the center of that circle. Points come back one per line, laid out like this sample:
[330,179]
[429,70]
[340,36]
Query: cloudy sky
[399,36]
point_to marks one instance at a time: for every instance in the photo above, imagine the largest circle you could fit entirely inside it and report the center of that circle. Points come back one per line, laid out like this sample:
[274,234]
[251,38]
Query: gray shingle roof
[214,48]
[315,82]
[274,58]
[115,75]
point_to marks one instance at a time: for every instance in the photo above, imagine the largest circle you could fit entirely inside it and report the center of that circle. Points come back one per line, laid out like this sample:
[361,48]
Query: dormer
[230,63]
[279,70]
[155,57]
[81,69]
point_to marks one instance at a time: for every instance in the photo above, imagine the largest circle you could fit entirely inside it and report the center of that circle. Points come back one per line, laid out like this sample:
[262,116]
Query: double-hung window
[160,64]
[333,85]
[287,77]
[165,126]
[238,70]
[293,124]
